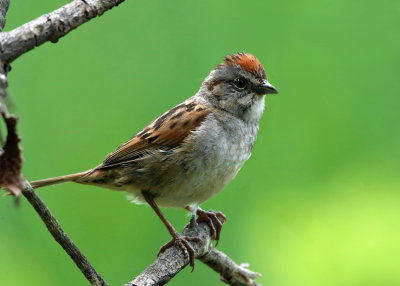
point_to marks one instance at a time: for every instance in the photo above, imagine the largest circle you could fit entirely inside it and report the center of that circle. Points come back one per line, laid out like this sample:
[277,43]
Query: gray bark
[62,238]
[3,10]
[169,263]
[50,27]
[231,273]
[3,70]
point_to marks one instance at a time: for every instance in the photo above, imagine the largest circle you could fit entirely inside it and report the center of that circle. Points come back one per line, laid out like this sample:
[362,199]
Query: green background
[317,204]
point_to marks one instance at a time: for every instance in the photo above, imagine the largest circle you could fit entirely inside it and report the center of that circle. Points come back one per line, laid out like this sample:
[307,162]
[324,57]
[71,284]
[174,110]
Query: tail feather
[57,180]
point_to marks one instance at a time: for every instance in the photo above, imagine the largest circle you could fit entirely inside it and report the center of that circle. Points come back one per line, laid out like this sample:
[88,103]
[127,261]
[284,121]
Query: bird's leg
[212,218]
[180,240]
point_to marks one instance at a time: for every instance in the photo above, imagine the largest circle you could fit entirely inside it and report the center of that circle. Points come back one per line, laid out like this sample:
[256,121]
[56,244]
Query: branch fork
[169,263]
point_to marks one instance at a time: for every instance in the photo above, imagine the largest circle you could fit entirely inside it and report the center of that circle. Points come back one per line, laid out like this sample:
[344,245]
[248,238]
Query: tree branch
[3,68]
[3,11]
[169,263]
[62,238]
[231,273]
[50,27]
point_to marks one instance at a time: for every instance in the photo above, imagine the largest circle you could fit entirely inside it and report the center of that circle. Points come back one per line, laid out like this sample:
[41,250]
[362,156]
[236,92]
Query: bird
[192,151]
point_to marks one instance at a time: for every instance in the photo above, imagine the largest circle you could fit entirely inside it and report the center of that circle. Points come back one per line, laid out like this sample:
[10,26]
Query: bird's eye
[240,83]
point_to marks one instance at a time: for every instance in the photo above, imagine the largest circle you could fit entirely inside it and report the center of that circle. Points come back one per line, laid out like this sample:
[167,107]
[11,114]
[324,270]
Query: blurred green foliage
[318,202]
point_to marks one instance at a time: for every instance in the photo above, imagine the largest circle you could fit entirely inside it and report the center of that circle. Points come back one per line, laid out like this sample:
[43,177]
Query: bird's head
[238,85]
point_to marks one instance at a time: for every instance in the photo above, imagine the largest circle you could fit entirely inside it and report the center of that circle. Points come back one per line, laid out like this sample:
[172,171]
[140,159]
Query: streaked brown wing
[167,132]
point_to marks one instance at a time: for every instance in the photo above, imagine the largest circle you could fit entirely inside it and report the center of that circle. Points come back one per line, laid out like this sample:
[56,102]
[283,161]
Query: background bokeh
[317,204]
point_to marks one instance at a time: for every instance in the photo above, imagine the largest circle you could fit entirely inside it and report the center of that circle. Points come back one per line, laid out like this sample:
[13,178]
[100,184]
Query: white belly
[213,162]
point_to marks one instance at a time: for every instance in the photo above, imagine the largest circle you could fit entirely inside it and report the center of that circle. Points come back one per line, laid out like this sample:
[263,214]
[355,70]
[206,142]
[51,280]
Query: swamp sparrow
[192,151]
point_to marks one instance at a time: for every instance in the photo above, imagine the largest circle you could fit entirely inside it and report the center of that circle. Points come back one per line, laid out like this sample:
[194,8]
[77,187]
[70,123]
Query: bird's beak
[265,87]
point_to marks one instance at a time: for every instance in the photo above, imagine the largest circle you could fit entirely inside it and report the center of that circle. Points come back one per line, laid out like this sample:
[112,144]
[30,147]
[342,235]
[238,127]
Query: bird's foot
[213,219]
[183,243]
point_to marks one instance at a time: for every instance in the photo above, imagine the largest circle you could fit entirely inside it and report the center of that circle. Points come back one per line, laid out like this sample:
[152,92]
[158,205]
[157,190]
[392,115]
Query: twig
[169,263]
[231,273]
[61,237]
[3,11]
[3,68]
[50,27]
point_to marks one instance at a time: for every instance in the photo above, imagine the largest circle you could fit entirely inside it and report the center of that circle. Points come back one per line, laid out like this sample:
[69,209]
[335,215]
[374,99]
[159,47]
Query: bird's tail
[57,180]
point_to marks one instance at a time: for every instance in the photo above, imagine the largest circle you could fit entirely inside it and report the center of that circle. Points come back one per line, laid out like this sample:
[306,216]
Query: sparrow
[191,152]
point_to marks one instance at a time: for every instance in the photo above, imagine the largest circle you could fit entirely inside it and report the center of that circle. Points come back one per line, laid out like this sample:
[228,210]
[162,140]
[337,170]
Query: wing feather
[166,132]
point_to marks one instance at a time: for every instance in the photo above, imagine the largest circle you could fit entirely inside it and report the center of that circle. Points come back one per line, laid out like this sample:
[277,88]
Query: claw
[213,221]
[183,243]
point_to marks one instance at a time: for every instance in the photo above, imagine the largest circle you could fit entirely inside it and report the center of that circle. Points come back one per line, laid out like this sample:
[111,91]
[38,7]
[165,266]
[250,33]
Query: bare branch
[3,79]
[3,70]
[50,27]
[62,238]
[231,273]
[3,10]
[169,263]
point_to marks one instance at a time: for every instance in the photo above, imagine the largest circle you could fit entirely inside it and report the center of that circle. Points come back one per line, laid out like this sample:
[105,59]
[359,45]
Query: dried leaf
[11,160]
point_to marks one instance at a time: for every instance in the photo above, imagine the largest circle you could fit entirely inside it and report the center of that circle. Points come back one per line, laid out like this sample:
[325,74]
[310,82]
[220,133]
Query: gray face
[235,90]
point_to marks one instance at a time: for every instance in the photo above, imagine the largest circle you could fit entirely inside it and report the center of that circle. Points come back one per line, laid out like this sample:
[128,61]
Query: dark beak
[265,87]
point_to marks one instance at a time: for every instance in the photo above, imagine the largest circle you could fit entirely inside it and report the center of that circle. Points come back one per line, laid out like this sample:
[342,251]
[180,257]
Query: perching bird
[192,151]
